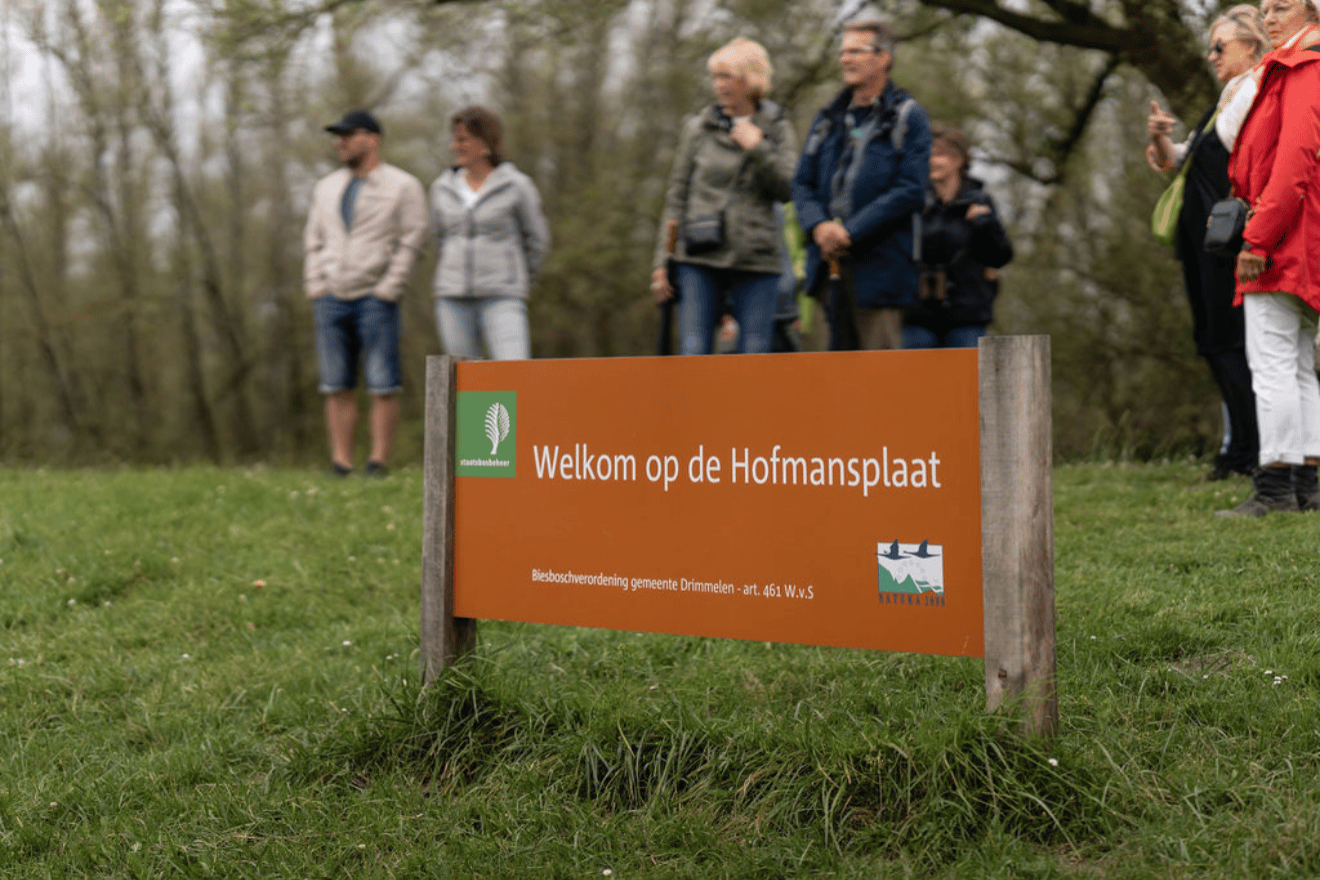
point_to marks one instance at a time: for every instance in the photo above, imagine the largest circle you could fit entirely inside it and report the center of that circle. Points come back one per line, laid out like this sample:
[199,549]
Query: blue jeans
[702,290]
[347,329]
[956,337]
[499,320]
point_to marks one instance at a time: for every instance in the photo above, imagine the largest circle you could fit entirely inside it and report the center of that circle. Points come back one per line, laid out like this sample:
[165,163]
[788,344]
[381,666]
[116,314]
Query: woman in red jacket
[1275,166]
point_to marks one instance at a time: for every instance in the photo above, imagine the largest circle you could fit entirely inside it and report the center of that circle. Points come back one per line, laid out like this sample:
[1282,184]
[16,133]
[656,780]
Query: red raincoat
[1275,166]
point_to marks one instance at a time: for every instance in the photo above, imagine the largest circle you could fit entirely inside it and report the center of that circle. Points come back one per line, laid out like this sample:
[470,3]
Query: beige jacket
[378,254]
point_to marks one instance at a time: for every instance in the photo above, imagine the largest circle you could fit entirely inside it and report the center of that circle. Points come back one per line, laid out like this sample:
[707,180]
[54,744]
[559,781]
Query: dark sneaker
[1257,506]
[1222,470]
[339,470]
[376,469]
[1306,487]
[1274,494]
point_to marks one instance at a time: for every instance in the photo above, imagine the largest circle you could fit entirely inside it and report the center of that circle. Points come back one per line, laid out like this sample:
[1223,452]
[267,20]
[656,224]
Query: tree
[150,226]
[1162,39]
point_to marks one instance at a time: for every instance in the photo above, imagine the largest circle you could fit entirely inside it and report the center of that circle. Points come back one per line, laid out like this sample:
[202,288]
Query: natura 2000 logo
[911,574]
[486,444]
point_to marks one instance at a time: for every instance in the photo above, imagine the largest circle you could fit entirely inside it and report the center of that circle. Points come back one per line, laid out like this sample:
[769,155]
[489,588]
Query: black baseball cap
[353,121]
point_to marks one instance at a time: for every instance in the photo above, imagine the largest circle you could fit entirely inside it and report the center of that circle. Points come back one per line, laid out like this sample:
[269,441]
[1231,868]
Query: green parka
[702,183]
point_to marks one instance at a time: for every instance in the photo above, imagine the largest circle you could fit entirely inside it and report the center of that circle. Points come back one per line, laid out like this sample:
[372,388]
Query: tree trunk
[202,413]
[227,325]
[67,395]
[285,392]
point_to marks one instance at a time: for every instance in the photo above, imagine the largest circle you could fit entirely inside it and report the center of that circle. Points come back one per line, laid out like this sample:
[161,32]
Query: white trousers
[1281,331]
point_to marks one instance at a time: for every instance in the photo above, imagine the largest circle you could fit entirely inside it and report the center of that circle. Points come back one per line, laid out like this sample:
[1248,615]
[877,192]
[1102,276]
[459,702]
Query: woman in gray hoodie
[492,237]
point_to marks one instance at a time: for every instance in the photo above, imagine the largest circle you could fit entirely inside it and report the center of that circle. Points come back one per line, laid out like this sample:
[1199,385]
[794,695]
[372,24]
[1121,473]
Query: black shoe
[1274,494]
[1306,487]
[1225,471]
[339,470]
[375,469]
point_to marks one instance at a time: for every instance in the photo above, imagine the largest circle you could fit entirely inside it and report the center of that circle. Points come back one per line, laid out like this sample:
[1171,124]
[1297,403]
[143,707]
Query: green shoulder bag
[1164,220]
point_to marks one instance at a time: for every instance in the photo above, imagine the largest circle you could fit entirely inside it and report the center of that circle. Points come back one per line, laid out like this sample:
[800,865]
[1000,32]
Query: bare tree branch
[260,20]
[1085,31]
[1061,149]
[1153,39]
[1082,116]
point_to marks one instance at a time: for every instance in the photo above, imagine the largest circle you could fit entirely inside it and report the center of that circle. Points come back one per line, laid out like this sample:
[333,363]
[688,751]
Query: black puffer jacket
[960,253]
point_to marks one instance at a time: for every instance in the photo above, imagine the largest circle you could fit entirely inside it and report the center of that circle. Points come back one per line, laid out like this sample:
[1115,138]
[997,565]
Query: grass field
[212,673]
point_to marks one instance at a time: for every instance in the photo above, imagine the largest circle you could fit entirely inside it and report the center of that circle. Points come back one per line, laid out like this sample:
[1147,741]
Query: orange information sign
[827,499]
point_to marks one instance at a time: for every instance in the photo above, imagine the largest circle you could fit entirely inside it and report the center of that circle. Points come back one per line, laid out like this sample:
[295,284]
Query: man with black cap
[365,231]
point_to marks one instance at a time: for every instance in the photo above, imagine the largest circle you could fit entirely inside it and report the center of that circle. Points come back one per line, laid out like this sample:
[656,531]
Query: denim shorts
[349,328]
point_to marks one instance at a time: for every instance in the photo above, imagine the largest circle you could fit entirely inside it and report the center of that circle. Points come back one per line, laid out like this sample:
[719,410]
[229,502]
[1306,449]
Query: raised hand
[1159,124]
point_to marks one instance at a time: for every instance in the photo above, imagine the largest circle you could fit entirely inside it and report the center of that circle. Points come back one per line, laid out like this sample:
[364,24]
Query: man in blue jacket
[859,190]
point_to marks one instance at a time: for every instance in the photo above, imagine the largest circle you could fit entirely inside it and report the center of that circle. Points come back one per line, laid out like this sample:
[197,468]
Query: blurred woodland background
[156,157]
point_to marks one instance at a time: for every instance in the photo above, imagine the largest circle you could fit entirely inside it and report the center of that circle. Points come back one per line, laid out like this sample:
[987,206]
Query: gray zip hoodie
[496,246]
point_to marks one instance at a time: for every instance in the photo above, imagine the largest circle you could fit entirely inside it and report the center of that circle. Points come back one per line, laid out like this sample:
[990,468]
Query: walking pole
[665,343]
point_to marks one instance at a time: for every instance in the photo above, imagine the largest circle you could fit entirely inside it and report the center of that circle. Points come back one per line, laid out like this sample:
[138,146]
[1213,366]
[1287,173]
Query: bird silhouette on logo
[892,552]
[923,552]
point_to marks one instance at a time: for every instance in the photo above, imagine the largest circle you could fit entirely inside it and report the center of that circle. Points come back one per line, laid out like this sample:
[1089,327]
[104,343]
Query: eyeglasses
[857,52]
[1217,49]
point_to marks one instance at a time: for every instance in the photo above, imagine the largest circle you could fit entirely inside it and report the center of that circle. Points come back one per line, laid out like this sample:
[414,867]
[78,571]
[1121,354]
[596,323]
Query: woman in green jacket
[735,162]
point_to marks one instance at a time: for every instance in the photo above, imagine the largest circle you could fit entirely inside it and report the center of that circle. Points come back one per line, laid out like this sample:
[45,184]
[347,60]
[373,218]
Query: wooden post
[444,637]
[1017,529]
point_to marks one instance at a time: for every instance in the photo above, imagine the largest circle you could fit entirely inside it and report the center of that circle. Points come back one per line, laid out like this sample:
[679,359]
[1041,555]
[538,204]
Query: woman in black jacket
[963,244]
[1237,42]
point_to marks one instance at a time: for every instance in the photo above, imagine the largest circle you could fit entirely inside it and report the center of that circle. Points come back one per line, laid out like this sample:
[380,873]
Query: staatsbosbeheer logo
[497,426]
[486,428]
[911,574]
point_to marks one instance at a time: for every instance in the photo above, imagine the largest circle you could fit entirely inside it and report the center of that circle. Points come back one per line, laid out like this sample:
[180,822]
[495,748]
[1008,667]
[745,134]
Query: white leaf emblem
[497,425]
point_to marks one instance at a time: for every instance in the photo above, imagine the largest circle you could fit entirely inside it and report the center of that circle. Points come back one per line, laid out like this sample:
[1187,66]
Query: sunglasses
[1217,49]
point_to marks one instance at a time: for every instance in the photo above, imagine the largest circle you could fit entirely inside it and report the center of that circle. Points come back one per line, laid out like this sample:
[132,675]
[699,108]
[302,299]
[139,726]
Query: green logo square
[487,429]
